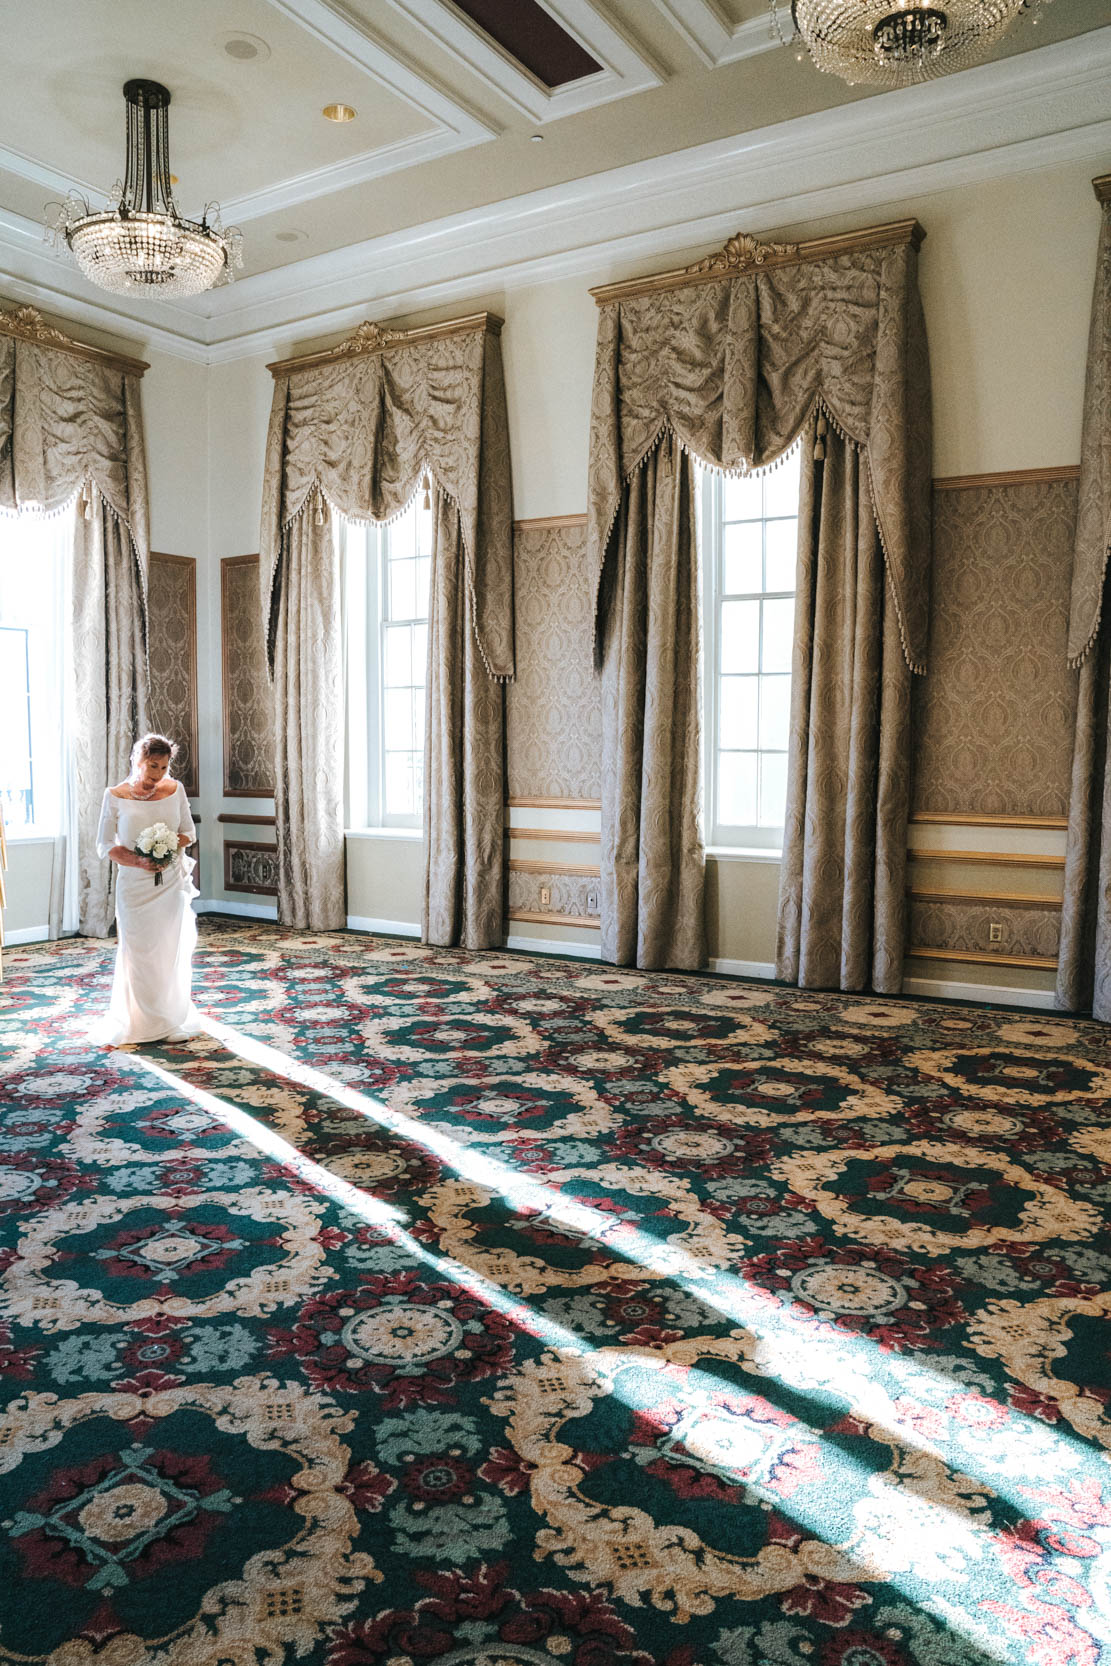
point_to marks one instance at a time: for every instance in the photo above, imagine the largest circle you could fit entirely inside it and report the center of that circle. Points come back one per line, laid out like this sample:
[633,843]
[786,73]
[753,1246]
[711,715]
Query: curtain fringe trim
[818,408]
[426,473]
[1076,661]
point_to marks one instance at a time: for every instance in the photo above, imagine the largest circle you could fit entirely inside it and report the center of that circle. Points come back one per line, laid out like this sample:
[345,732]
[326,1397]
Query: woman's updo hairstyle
[152,746]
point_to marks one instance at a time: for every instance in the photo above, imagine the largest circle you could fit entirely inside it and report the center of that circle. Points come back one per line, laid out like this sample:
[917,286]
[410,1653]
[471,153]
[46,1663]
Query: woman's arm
[188,834]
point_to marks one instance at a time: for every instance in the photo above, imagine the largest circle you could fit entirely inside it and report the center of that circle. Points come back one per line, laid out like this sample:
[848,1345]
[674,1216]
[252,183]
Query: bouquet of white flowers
[159,844]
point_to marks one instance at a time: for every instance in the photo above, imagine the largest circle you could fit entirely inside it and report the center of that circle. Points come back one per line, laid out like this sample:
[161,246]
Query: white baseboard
[247,910]
[554,945]
[28,934]
[391,928]
[999,994]
[744,968]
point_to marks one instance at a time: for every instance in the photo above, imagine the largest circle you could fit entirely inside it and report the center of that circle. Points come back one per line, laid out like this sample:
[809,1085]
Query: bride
[152,987]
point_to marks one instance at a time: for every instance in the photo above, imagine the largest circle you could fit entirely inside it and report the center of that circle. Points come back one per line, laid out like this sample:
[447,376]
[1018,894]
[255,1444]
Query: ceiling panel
[236,127]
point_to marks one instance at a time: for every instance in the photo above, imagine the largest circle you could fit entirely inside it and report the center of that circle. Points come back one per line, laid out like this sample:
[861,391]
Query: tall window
[749,530]
[386,577]
[34,632]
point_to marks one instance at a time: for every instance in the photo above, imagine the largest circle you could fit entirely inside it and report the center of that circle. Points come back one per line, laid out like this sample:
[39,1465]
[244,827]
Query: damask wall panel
[964,927]
[994,713]
[173,659]
[250,867]
[248,712]
[571,894]
[554,708]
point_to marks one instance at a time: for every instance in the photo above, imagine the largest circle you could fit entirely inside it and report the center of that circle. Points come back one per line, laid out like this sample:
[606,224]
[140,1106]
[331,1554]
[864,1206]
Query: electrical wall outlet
[995,932]
[545,896]
[592,902]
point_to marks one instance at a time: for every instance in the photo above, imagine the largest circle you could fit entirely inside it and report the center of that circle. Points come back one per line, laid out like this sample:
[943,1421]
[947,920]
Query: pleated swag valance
[67,420]
[734,356]
[360,427]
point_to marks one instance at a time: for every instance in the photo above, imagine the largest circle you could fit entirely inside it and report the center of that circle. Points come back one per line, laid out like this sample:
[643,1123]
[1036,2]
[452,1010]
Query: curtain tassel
[426,488]
[820,441]
[87,501]
[319,516]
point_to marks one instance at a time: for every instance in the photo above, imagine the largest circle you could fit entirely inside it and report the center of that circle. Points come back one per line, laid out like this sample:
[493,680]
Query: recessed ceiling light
[537,138]
[244,48]
[338,112]
[291,236]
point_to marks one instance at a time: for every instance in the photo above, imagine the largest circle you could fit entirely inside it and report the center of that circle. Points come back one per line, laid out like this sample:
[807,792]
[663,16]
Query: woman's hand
[183,841]
[131,859]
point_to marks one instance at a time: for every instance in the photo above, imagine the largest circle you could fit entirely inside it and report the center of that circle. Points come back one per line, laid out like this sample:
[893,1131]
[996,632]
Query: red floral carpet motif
[488,1311]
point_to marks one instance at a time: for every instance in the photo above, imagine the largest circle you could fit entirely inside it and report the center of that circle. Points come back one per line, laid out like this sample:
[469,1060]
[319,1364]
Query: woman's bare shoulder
[120,790]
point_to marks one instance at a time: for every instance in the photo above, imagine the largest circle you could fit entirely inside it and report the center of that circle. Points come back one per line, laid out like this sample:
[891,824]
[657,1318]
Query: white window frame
[722,834]
[48,718]
[364,551]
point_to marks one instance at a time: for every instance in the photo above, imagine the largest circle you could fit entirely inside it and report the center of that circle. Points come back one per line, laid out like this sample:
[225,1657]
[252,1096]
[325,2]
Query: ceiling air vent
[532,36]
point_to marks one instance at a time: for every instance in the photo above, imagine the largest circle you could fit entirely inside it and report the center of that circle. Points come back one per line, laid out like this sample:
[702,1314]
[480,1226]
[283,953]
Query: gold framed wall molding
[996,899]
[1008,477]
[978,957]
[246,698]
[172,587]
[28,324]
[975,818]
[251,867]
[990,858]
[371,337]
[550,523]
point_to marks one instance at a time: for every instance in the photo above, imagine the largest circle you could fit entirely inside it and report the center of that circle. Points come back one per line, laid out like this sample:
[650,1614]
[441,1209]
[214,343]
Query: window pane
[403,591]
[740,554]
[779,619]
[781,539]
[399,720]
[398,657]
[424,530]
[737,789]
[737,711]
[420,654]
[775,712]
[773,788]
[400,799]
[424,573]
[781,487]
[740,636]
[741,498]
[15,731]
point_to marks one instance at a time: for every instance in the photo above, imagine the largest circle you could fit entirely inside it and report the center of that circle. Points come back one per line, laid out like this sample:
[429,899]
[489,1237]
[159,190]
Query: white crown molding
[625,67]
[1031,111]
[712,38]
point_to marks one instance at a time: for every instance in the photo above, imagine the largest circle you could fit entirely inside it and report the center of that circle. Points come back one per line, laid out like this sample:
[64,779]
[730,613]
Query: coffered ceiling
[448,123]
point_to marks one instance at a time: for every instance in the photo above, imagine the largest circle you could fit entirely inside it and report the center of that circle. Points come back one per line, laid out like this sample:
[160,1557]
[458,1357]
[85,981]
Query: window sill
[31,838]
[413,835]
[743,853]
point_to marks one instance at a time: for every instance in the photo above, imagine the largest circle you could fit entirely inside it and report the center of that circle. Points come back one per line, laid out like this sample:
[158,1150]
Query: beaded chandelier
[141,243]
[894,45]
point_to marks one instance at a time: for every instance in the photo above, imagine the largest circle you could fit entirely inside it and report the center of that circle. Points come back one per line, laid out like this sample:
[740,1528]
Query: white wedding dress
[152,996]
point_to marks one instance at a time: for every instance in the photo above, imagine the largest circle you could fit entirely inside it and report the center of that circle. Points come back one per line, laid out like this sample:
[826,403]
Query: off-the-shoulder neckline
[159,799]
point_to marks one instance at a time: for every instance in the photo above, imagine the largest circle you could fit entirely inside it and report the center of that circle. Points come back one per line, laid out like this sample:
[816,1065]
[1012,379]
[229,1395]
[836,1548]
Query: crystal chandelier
[894,45]
[141,243]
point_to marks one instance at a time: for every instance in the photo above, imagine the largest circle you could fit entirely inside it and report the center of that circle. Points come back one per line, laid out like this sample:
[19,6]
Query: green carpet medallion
[472,1310]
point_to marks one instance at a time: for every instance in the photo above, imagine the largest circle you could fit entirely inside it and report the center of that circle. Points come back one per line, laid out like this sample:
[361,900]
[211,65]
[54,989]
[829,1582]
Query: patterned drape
[356,435]
[733,368]
[68,422]
[843,880]
[1084,961]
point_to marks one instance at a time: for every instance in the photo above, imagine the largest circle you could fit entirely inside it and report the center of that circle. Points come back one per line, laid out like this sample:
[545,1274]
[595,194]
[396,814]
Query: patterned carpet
[445,1309]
